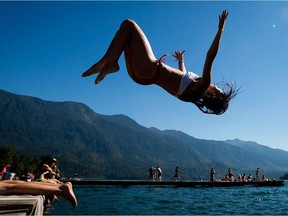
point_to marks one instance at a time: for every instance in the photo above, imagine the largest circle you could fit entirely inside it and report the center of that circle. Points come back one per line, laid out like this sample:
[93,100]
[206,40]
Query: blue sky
[46,46]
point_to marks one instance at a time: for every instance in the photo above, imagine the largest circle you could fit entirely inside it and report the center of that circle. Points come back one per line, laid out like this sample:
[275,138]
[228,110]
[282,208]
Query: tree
[7,154]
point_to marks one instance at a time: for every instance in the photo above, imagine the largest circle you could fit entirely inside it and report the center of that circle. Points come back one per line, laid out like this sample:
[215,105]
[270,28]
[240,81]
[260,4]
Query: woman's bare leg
[38,188]
[67,192]
[13,181]
[131,38]
[109,62]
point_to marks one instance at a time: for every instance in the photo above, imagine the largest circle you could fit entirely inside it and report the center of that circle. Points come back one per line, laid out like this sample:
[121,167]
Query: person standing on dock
[159,173]
[177,172]
[212,174]
[257,178]
[152,171]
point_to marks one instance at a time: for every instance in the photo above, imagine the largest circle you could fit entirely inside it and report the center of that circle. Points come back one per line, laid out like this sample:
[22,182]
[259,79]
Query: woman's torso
[170,80]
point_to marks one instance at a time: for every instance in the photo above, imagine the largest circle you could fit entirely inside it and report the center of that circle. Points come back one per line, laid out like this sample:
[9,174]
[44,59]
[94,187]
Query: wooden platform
[178,183]
[22,205]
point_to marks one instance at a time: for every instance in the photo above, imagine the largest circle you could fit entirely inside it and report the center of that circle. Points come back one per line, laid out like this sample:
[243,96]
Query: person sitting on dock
[3,169]
[249,178]
[16,187]
[29,177]
[55,169]
[230,175]
[225,178]
[177,172]
[241,177]
[264,178]
[44,171]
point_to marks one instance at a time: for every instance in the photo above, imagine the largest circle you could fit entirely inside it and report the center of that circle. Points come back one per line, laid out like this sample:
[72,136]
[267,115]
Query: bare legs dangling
[13,187]
[67,193]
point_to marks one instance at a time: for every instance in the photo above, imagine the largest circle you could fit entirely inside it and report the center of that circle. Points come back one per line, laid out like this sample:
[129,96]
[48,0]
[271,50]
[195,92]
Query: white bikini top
[186,79]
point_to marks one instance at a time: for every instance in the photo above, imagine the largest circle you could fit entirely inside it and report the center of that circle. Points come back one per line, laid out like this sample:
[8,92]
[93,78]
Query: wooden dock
[126,183]
[22,204]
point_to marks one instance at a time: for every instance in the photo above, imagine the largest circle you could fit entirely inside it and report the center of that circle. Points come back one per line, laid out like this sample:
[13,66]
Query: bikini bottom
[148,81]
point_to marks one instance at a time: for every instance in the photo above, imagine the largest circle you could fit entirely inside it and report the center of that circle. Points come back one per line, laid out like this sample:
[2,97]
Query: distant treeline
[20,164]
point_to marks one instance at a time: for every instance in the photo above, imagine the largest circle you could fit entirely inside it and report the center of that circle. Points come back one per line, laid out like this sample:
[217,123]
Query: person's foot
[51,199]
[96,68]
[67,192]
[107,70]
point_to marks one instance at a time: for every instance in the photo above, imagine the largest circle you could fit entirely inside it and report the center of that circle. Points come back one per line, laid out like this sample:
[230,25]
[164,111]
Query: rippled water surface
[164,200]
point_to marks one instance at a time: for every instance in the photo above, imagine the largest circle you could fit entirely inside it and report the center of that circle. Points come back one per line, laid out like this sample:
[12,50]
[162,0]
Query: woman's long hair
[217,102]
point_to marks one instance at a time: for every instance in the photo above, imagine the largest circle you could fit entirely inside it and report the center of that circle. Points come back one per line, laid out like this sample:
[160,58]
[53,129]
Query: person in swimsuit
[145,69]
[44,171]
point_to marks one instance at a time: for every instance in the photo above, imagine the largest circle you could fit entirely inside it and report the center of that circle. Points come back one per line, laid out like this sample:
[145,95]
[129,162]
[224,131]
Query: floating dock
[177,183]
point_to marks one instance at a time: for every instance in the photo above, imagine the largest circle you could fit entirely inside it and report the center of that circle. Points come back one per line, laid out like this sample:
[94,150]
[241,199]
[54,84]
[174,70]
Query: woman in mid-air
[145,69]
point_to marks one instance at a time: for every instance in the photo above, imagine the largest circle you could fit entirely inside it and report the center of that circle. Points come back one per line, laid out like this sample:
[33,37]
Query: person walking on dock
[177,172]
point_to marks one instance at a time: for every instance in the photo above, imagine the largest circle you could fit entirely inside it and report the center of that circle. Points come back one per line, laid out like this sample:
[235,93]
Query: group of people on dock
[241,177]
[156,174]
[45,181]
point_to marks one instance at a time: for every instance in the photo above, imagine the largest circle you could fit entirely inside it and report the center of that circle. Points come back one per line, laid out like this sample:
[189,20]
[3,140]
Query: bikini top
[186,79]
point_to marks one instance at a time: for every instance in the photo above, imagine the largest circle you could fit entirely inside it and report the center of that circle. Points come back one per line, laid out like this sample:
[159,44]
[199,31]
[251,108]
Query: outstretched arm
[212,52]
[179,56]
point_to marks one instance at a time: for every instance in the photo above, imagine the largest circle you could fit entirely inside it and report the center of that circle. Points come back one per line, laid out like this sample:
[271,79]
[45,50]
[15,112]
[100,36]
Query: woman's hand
[222,20]
[178,55]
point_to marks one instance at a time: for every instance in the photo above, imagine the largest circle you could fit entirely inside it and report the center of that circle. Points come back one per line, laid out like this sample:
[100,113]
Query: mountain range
[116,147]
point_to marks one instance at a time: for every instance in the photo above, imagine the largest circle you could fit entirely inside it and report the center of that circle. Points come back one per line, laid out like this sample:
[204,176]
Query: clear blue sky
[45,47]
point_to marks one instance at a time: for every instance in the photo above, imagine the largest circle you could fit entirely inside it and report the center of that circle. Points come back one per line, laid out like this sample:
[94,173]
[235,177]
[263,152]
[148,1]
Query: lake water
[166,200]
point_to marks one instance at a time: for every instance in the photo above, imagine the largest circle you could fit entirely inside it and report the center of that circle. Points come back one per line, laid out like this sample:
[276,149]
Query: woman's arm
[179,56]
[212,52]
[47,168]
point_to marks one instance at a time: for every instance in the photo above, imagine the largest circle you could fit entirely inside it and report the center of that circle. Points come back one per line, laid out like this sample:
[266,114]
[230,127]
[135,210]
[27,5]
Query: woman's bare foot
[96,68]
[107,70]
[67,192]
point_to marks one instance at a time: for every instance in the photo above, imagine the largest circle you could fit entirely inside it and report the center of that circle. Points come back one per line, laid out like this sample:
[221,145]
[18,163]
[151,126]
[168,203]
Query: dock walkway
[177,183]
